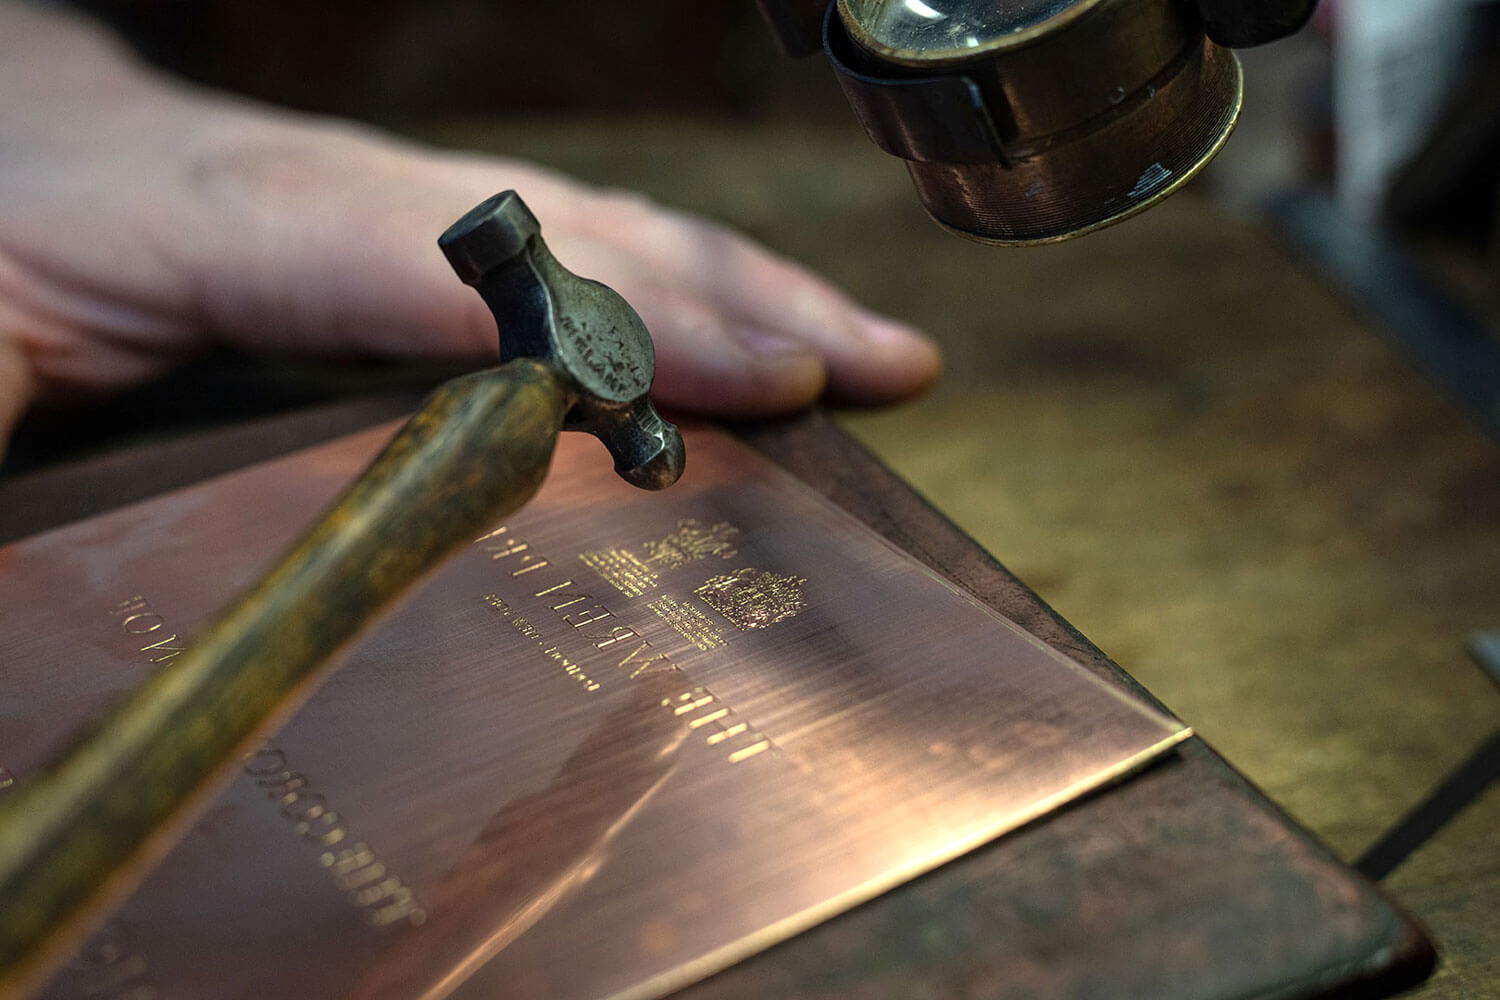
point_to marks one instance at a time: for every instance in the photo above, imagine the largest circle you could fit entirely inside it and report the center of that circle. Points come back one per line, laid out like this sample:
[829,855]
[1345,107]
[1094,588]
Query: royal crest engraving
[751,598]
[694,540]
[633,576]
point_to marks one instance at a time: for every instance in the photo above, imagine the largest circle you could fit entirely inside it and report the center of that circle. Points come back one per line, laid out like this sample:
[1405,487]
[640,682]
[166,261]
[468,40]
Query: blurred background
[1245,442]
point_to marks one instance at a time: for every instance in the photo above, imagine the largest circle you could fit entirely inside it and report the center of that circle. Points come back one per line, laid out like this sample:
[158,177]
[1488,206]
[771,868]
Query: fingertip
[764,377]
[782,382]
[890,361]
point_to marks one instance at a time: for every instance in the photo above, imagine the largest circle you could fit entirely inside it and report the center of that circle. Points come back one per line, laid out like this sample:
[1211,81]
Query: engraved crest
[751,598]
[693,540]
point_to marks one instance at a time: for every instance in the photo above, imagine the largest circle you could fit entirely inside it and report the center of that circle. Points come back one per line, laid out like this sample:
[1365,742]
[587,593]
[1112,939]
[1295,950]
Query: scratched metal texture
[526,782]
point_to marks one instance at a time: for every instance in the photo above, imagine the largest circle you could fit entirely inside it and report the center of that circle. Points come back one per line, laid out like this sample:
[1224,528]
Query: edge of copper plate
[752,944]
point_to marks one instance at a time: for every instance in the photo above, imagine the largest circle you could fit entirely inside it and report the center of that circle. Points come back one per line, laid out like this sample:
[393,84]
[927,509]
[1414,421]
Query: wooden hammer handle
[79,835]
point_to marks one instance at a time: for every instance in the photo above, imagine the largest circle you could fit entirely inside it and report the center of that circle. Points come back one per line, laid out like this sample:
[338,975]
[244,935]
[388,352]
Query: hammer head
[584,330]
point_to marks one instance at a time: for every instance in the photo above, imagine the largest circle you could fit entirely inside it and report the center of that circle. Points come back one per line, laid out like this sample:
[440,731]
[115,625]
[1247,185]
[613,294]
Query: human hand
[146,220]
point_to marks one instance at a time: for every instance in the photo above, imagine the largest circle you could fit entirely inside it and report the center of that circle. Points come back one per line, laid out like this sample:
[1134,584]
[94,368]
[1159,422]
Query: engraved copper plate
[620,743]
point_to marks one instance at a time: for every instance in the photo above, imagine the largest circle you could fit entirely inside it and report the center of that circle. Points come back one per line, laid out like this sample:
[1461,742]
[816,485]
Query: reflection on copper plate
[619,743]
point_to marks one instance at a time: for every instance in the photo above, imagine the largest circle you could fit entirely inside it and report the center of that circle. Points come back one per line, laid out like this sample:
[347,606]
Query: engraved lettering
[565,598]
[750,751]
[617,634]
[502,552]
[131,605]
[572,669]
[325,830]
[403,903]
[163,650]
[586,617]
[366,884]
[693,540]
[284,785]
[689,701]
[501,544]
[640,665]
[354,878]
[621,569]
[350,859]
[704,720]
[138,618]
[690,623]
[304,808]
[375,893]
[756,599]
[702,711]
[529,630]
[520,624]
[142,622]
[529,563]
[356,871]
[724,734]
[266,760]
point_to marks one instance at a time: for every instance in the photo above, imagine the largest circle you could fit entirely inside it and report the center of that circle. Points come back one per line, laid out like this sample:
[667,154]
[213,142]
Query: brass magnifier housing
[1032,121]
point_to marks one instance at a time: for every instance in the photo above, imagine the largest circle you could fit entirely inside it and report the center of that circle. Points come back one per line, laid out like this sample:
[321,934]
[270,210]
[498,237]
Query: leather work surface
[619,743]
[1184,882]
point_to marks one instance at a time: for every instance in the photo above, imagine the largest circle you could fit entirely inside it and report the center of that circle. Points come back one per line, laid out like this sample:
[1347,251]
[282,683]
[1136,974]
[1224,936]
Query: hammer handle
[80,834]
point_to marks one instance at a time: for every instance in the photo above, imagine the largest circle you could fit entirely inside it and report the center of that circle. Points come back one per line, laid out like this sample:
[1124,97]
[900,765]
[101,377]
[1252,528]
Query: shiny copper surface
[618,744]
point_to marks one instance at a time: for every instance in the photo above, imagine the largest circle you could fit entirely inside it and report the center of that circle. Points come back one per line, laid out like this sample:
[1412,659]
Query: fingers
[340,243]
[868,358]
[708,363]
[160,220]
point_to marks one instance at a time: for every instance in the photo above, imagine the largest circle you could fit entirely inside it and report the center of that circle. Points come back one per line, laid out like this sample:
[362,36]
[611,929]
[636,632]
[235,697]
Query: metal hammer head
[587,333]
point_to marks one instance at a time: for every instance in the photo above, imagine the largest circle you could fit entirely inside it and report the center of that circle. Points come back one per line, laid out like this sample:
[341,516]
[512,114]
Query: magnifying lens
[1032,121]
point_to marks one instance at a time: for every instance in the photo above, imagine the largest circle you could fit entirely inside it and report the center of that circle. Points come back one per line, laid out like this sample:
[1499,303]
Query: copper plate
[622,742]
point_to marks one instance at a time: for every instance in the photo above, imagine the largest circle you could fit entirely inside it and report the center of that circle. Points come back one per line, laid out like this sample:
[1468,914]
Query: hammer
[80,834]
